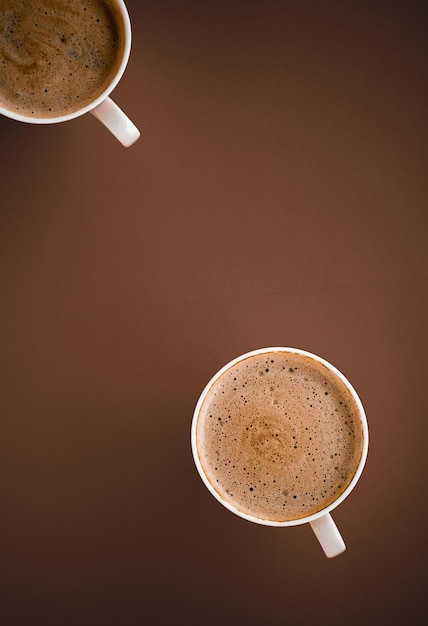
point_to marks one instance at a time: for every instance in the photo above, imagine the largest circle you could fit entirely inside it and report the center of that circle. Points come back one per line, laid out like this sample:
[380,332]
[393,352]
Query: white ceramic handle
[117,122]
[328,535]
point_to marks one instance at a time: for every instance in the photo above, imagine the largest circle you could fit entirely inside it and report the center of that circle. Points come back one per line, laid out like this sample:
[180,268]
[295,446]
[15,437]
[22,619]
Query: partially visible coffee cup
[60,59]
[280,437]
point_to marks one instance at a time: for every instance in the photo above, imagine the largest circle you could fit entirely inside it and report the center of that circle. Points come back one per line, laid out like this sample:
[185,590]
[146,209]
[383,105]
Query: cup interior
[126,24]
[303,519]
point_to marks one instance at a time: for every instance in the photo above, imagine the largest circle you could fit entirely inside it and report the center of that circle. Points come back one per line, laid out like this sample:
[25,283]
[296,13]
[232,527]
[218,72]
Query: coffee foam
[55,56]
[279,436]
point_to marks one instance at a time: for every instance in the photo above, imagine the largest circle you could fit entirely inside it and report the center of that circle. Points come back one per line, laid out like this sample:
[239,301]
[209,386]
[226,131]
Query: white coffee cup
[102,107]
[321,522]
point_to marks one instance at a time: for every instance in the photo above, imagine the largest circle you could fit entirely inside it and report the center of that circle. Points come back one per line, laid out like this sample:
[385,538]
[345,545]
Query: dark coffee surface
[279,436]
[57,56]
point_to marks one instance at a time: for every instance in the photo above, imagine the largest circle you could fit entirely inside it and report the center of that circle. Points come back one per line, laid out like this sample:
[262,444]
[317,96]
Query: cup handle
[116,121]
[328,535]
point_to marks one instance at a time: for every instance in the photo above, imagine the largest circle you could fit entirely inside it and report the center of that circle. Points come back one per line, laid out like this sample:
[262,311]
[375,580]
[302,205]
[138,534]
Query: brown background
[278,196]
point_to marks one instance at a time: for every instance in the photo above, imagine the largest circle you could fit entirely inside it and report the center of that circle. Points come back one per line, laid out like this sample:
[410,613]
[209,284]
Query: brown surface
[278,196]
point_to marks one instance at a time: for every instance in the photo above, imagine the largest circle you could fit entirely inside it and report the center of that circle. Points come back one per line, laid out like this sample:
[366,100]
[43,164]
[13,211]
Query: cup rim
[300,520]
[107,91]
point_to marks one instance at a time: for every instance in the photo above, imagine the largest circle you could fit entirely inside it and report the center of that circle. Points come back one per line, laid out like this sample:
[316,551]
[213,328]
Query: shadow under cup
[280,437]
